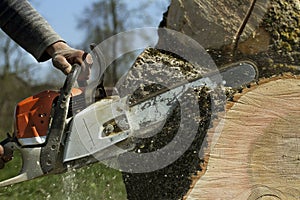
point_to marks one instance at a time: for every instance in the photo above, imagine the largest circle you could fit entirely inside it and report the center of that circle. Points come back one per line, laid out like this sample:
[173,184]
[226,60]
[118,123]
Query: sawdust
[160,184]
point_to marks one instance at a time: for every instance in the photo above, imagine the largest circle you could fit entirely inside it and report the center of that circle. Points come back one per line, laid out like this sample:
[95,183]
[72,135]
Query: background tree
[13,58]
[13,65]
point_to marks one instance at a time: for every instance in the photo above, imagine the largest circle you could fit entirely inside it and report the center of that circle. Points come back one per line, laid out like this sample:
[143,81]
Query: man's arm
[27,27]
[31,31]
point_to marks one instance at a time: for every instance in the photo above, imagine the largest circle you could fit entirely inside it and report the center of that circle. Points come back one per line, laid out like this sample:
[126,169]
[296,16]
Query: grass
[91,182]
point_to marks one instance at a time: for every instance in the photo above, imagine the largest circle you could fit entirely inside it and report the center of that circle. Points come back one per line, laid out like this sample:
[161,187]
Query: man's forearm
[25,26]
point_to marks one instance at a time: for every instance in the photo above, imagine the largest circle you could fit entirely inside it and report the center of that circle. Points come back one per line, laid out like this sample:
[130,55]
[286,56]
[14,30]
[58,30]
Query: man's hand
[63,57]
[6,154]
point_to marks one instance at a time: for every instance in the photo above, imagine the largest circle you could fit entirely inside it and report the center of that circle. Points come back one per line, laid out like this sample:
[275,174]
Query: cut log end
[257,152]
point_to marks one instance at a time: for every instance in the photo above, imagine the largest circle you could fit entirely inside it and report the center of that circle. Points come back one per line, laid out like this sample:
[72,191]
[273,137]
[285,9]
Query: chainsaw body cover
[33,116]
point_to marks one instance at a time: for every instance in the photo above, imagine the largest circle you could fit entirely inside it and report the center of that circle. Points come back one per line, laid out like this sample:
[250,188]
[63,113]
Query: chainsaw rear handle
[38,161]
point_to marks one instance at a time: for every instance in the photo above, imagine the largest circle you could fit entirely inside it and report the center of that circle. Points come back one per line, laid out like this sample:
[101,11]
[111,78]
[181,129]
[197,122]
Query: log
[254,151]
[215,23]
[268,35]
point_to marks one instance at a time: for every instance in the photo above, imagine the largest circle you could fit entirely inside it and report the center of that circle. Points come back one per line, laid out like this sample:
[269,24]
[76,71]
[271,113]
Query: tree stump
[255,148]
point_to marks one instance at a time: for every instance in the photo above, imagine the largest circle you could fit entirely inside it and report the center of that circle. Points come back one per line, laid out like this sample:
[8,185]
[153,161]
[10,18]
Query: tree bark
[216,23]
[263,31]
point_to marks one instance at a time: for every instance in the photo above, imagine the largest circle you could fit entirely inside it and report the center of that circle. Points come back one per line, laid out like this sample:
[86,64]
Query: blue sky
[63,15]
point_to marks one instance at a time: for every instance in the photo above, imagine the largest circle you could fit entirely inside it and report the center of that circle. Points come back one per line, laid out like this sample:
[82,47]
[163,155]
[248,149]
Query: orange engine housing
[32,117]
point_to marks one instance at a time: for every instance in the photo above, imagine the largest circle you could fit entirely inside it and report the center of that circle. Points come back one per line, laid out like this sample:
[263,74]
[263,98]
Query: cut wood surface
[255,149]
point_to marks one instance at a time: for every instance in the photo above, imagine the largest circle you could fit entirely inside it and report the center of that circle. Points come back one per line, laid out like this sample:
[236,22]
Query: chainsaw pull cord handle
[51,154]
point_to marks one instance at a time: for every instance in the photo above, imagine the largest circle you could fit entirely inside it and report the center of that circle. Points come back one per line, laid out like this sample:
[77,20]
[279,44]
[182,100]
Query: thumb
[61,63]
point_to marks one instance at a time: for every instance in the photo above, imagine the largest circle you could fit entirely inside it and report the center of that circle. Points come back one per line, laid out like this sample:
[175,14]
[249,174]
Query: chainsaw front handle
[38,161]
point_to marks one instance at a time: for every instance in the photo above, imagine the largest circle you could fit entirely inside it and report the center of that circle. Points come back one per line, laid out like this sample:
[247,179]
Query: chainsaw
[57,130]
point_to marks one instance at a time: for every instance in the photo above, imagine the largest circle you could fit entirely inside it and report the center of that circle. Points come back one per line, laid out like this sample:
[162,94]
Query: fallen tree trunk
[255,149]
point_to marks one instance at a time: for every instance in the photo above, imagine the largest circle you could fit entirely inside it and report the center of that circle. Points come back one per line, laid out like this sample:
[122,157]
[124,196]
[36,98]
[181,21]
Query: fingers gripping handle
[38,161]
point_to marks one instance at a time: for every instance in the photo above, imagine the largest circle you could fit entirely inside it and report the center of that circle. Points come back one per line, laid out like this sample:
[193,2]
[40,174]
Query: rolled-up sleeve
[27,27]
